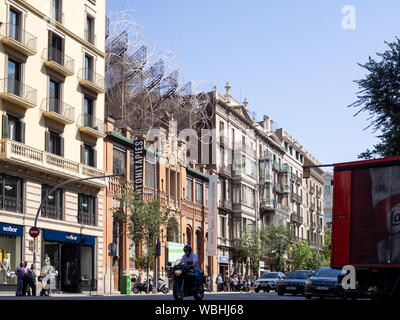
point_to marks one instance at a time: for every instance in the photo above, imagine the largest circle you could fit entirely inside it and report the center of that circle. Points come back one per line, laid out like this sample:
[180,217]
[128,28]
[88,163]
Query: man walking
[32,279]
[220,283]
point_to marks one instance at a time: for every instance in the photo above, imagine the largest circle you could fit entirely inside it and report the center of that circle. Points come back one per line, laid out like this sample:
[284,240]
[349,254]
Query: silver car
[268,281]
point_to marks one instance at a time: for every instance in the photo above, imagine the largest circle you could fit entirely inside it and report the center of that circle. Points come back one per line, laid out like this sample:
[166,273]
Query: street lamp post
[54,189]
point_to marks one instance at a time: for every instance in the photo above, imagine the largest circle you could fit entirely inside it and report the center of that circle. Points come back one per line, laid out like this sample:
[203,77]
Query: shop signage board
[223,259]
[138,156]
[212,217]
[175,251]
[11,229]
[68,237]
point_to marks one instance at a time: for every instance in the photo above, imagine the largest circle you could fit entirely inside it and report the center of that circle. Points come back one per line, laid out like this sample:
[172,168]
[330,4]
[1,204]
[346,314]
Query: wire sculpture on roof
[142,87]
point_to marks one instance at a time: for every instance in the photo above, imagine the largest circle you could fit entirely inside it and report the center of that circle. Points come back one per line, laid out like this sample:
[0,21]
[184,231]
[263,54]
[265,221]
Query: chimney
[266,123]
[271,126]
[245,103]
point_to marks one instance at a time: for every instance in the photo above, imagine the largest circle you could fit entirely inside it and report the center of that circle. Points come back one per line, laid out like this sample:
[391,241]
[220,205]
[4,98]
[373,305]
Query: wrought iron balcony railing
[18,92]
[19,39]
[63,111]
[64,63]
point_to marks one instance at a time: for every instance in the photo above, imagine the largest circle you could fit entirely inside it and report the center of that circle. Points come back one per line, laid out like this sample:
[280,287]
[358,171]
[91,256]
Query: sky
[294,60]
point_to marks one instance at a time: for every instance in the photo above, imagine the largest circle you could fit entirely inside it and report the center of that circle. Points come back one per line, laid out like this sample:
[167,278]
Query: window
[189,189]
[13,128]
[54,96]
[14,77]
[56,12]
[206,195]
[54,143]
[10,193]
[56,48]
[86,209]
[199,192]
[53,207]
[14,30]
[88,112]
[88,68]
[119,157]
[89,155]
[223,227]
[89,32]
[150,174]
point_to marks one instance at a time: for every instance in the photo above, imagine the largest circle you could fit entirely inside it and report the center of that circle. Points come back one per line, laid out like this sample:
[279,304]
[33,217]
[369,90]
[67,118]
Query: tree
[277,241]
[380,97]
[250,246]
[326,251]
[300,254]
[144,221]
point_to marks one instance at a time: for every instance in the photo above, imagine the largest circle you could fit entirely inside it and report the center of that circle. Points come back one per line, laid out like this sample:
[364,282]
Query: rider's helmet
[187,249]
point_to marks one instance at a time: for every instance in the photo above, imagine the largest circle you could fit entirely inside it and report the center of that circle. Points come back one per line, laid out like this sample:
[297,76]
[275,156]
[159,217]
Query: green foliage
[300,254]
[143,219]
[278,240]
[250,246]
[379,95]
[326,251]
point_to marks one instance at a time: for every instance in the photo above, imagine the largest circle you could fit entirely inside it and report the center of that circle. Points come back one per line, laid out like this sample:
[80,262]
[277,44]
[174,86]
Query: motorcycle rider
[190,259]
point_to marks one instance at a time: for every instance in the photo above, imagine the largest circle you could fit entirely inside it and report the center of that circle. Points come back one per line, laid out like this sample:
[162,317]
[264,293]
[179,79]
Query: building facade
[52,103]
[169,177]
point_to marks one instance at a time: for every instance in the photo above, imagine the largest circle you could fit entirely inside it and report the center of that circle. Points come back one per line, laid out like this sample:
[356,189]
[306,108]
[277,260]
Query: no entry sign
[34,232]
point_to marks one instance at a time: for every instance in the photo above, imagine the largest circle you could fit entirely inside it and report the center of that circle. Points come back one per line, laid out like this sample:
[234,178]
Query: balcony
[91,80]
[91,126]
[312,190]
[59,62]
[265,177]
[225,204]
[312,206]
[295,218]
[18,39]
[58,111]
[284,169]
[313,224]
[319,210]
[277,187]
[298,180]
[285,189]
[266,155]
[17,93]
[319,227]
[276,166]
[319,193]
[225,170]
[267,205]
[28,157]
[281,208]
[297,197]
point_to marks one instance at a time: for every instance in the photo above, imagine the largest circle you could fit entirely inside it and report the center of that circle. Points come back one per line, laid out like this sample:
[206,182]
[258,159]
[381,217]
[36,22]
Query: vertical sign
[138,156]
[212,217]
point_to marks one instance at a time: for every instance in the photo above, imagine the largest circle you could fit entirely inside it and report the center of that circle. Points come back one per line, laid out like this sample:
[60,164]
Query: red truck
[366,225]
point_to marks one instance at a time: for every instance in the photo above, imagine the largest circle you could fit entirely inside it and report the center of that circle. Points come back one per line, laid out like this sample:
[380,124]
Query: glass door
[71,268]
[14,25]
[54,96]
[14,77]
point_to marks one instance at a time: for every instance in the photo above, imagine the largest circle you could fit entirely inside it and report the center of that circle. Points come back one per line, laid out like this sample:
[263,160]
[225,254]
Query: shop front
[10,254]
[223,262]
[73,257]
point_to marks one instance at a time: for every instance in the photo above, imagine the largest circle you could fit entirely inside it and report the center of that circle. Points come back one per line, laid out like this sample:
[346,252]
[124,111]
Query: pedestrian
[20,279]
[251,282]
[32,279]
[25,280]
[226,284]
[220,283]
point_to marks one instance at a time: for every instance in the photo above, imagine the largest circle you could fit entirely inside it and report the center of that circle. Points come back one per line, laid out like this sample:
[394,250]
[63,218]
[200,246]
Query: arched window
[188,236]
[173,231]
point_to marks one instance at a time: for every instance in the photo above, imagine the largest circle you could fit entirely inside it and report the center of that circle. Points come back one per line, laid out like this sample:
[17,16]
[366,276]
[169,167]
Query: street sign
[34,232]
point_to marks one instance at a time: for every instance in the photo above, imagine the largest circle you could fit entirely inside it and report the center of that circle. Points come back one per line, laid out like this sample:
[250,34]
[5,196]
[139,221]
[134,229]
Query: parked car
[324,283]
[268,281]
[294,282]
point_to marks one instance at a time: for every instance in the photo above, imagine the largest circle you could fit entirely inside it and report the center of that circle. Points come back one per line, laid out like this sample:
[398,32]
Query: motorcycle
[138,287]
[162,286]
[185,283]
[244,286]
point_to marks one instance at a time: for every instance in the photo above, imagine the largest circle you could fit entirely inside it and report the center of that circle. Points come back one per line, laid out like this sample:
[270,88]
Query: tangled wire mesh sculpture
[143,91]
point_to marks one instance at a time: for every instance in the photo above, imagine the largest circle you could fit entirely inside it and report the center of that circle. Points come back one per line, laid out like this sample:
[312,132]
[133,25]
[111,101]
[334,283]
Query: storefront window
[10,257]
